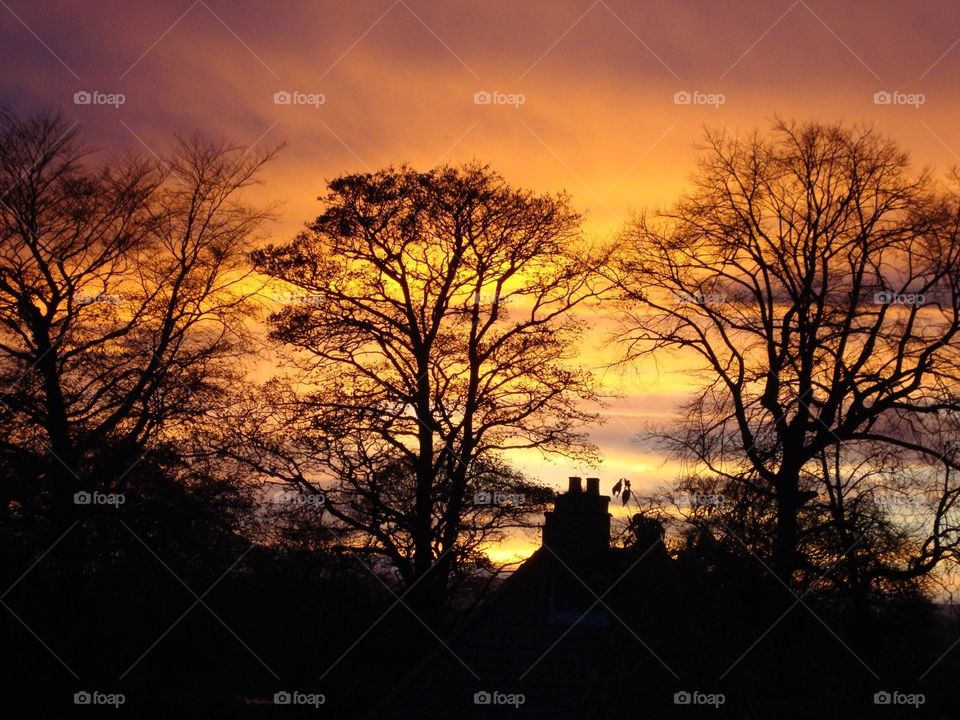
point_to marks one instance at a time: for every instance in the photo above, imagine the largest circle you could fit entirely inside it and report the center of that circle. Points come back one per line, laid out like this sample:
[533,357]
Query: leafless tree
[331,492]
[124,289]
[433,313]
[816,277]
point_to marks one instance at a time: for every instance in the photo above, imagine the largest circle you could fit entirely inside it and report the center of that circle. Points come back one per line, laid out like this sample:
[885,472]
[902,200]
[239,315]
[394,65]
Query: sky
[604,99]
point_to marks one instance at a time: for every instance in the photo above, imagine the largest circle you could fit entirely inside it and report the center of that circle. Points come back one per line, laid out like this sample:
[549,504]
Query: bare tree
[434,314]
[123,297]
[816,278]
[331,491]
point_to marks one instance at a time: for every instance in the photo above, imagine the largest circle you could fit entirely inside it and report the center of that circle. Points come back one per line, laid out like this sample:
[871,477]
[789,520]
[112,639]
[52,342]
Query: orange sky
[399,78]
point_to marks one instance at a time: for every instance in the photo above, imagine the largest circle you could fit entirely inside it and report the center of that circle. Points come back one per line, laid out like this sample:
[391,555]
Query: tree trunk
[785,542]
[62,466]
[424,595]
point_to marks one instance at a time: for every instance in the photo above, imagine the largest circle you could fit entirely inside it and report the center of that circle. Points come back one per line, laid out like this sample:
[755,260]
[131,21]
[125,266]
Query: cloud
[399,79]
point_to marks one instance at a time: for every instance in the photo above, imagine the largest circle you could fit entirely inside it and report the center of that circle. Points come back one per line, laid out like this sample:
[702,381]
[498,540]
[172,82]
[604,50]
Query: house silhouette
[562,636]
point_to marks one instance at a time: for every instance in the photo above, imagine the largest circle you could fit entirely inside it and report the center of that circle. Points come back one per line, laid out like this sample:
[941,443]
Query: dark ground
[115,602]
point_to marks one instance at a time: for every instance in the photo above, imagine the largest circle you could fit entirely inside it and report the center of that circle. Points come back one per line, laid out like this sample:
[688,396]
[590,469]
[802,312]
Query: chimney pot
[579,524]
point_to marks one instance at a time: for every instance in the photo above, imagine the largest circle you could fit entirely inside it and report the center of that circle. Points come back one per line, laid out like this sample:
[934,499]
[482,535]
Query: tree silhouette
[122,299]
[816,278]
[433,314]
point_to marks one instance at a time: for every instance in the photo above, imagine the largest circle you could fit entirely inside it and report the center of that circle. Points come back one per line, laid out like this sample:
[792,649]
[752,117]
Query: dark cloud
[399,79]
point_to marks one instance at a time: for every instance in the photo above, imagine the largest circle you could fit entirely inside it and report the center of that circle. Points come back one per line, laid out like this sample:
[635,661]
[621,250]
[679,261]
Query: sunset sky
[586,101]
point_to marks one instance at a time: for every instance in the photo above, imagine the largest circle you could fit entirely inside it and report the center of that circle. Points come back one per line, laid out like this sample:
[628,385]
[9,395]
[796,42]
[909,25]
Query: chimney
[579,523]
